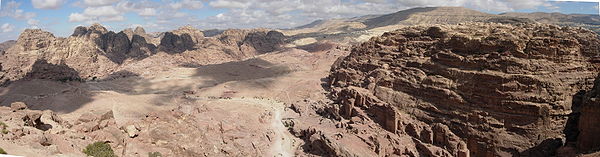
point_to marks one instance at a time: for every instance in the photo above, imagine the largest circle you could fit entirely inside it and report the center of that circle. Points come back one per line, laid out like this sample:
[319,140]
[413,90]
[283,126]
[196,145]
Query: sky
[62,16]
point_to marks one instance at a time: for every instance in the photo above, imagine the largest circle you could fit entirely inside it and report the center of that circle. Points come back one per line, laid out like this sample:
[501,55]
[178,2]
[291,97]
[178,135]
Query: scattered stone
[132,131]
[18,106]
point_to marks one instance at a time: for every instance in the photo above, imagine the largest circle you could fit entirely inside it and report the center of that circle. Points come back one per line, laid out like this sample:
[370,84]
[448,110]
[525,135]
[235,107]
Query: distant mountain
[364,27]
[578,20]
[438,15]
[7,44]
[94,52]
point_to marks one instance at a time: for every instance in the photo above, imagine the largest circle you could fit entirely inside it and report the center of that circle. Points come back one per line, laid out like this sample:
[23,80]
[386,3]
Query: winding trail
[283,143]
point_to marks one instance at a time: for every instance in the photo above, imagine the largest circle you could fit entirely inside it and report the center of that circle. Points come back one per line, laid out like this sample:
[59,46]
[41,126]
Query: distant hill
[364,27]
[430,15]
[7,44]
[578,20]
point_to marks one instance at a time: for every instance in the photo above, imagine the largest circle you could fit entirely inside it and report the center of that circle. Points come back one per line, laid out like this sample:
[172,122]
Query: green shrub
[3,127]
[2,151]
[154,154]
[99,149]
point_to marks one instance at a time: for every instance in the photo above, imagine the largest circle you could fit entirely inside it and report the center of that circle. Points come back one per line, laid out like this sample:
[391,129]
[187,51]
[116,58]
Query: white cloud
[101,11]
[11,9]
[7,27]
[47,4]
[20,14]
[97,14]
[33,22]
[148,12]
[228,4]
[97,3]
[179,14]
[188,4]
[77,17]
[113,18]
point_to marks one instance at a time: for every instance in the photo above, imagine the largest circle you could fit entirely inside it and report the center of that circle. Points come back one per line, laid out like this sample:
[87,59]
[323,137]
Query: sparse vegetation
[154,154]
[99,149]
[2,151]
[3,127]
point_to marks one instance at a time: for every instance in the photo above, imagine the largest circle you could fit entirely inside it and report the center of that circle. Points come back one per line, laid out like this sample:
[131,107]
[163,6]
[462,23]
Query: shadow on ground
[251,69]
[58,87]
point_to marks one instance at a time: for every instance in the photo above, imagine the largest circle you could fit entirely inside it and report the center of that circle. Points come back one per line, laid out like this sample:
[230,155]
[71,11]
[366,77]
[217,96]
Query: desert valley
[427,81]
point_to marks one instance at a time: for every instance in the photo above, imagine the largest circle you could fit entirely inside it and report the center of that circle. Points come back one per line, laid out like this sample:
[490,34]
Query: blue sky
[61,16]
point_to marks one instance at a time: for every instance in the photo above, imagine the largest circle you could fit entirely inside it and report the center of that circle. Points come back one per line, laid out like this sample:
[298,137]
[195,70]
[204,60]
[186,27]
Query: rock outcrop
[90,52]
[470,89]
[588,139]
[95,52]
[173,43]
[46,131]
[240,44]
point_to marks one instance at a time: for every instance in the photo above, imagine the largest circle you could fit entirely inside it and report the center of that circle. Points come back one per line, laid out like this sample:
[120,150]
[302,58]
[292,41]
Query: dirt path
[283,143]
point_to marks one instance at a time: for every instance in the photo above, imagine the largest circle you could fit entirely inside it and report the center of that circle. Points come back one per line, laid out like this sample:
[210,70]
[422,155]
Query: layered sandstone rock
[486,89]
[83,52]
[95,52]
[589,121]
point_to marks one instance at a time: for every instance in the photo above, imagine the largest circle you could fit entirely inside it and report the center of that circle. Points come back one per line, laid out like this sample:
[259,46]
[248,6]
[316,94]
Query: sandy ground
[268,81]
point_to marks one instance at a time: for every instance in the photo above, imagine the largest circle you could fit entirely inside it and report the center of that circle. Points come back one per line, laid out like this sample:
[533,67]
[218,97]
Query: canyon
[443,81]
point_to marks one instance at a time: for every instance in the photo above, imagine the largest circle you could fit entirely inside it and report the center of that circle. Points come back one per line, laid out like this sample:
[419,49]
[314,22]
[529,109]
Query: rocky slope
[5,45]
[94,52]
[181,131]
[478,89]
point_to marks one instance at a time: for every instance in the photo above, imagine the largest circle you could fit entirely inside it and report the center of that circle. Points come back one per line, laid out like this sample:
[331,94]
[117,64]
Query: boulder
[131,130]
[18,106]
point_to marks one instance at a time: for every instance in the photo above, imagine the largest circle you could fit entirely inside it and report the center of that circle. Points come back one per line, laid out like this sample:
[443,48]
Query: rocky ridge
[486,89]
[360,29]
[94,52]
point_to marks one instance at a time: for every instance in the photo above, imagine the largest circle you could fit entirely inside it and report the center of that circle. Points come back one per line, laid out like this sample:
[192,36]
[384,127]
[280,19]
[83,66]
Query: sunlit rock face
[502,89]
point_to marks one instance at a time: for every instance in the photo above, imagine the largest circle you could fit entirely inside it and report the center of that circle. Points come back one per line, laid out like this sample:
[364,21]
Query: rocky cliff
[95,52]
[588,124]
[478,89]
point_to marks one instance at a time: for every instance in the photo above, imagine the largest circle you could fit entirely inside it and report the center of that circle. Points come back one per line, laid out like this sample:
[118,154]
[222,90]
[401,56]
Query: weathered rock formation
[478,89]
[250,42]
[174,43]
[94,52]
[45,131]
[84,52]
[588,139]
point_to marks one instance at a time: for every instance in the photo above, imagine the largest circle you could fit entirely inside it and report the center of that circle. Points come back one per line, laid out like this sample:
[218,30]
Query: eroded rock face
[46,131]
[90,52]
[263,42]
[195,34]
[174,43]
[589,121]
[500,90]
[94,52]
